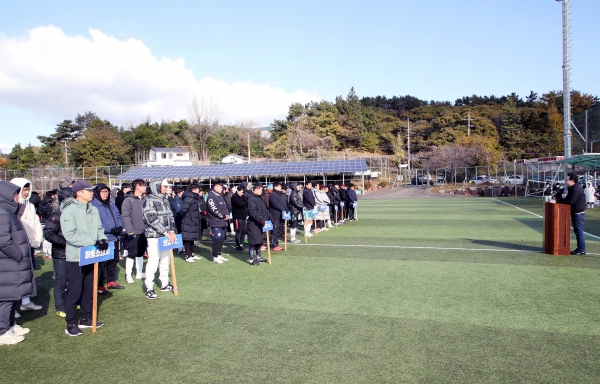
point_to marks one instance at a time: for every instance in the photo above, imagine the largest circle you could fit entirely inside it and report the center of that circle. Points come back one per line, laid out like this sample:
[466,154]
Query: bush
[383,184]
[368,185]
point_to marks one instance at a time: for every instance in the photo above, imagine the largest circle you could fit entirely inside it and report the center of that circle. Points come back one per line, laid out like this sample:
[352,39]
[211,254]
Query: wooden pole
[285,236]
[315,225]
[95,299]
[175,288]
[336,220]
[268,248]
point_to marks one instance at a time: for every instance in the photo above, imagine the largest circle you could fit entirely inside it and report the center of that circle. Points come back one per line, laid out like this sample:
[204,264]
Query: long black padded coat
[191,215]
[257,214]
[16,270]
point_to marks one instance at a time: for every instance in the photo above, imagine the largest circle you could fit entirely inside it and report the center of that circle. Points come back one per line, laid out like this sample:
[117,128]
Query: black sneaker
[260,260]
[73,330]
[151,295]
[239,248]
[168,288]
[255,262]
[88,324]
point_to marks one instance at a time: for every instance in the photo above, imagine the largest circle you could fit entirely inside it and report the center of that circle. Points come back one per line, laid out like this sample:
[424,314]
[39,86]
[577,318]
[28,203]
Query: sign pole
[342,213]
[285,236]
[315,225]
[336,221]
[268,248]
[95,299]
[175,287]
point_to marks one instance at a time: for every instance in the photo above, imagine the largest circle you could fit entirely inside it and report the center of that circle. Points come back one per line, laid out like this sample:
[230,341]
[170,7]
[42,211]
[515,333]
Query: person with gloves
[31,223]
[16,271]
[113,229]
[81,227]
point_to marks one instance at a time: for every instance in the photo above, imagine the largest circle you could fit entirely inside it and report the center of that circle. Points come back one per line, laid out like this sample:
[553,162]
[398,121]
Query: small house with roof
[233,159]
[164,157]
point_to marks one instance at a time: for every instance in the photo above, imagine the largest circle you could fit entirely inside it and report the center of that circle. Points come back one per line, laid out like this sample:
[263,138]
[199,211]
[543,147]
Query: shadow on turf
[505,245]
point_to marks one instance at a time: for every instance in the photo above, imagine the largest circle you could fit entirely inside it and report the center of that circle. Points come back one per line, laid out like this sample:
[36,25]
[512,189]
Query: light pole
[566,12]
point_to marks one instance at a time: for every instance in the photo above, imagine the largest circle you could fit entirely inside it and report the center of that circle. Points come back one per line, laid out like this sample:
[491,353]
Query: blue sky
[130,60]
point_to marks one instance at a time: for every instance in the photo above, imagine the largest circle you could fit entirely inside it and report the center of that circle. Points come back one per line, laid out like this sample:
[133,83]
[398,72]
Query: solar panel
[238,170]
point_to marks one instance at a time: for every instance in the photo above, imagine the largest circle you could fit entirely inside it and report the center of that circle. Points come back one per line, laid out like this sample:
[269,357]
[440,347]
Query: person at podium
[576,199]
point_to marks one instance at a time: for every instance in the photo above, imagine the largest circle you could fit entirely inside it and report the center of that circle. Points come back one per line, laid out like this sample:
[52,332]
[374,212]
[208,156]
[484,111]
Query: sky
[128,61]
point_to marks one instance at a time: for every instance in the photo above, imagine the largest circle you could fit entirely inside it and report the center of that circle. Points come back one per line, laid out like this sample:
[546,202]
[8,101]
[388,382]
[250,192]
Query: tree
[22,158]
[99,145]
[203,120]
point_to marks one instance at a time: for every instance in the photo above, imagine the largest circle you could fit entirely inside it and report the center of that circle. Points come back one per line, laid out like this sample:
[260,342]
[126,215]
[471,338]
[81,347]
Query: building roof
[157,149]
[586,161]
[241,170]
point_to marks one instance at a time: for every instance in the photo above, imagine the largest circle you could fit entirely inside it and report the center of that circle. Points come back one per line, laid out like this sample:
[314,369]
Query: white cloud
[50,73]
[6,148]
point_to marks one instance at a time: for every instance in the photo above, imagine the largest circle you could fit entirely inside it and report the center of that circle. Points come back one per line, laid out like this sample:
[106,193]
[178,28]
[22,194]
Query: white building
[233,159]
[164,157]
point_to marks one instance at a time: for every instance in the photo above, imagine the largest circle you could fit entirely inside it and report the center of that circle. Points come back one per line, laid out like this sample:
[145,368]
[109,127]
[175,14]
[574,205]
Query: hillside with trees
[441,135]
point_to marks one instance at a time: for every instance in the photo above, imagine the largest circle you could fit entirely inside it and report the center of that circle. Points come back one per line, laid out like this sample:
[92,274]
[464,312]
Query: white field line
[409,247]
[535,214]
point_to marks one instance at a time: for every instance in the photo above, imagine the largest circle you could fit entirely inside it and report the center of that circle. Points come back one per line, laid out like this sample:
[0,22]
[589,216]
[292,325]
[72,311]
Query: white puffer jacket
[29,219]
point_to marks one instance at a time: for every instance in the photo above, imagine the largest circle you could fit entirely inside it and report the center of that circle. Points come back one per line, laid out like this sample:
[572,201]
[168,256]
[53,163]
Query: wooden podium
[557,229]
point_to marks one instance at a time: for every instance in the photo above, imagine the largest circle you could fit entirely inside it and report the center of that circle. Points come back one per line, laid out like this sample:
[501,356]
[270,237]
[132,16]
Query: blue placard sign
[342,204]
[285,215]
[91,254]
[323,207]
[316,210]
[355,204]
[164,244]
[268,226]
[336,207]
[309,214]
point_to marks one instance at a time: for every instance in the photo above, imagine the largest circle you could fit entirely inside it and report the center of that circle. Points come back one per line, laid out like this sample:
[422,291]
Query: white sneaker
[308,235]
[140,276]
[17,315]
[129,279]
[31,306]
[232,233]
[10,338]
[222,258]
[217,260]
[189,259]
[20,331]
[295,241]
[196,257]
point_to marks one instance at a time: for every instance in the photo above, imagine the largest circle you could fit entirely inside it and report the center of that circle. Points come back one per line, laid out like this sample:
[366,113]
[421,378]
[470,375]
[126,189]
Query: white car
[513,180]
[483,180]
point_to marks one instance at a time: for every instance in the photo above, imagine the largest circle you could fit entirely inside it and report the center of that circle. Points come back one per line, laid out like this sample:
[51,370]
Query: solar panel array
[240,170]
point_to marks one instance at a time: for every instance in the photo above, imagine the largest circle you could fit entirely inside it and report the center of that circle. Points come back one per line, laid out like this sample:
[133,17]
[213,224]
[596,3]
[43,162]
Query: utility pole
[66,154]
[408,141]
[248,147]
[566,13]
[469,126]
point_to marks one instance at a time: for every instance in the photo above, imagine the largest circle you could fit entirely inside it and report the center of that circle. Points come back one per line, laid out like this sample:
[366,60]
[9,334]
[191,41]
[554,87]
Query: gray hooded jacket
[158,217]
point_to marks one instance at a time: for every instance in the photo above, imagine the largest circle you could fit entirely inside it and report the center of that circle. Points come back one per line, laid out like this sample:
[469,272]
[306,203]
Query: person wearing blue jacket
[113,229]
[352,198]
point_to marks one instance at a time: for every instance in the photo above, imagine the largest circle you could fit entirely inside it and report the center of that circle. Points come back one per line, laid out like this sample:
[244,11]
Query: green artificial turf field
[419,290]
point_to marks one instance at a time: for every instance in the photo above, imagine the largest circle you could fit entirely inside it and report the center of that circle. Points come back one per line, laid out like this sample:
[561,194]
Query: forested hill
[441,134]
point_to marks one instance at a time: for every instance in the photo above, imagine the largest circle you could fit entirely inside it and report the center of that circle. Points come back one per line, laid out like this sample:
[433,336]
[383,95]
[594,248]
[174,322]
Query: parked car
[513,180]
[483,180]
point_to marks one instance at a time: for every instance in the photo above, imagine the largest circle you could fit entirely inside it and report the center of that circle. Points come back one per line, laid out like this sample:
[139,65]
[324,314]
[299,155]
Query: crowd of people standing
[79,215]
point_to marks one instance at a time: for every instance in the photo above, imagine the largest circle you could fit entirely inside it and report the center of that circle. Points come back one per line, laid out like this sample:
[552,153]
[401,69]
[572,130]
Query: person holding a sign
[277,205]
[217,217]
[322,201]
[344,202]
[258,215]
[81,227]
[160,222]
[352,201]
[16,269]
[113,229]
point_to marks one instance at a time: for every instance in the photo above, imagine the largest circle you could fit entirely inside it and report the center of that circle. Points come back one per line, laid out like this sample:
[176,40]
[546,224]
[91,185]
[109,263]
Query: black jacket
[16,270]
[343,195]
[277,204]
[46,209]
[575,198]
[257,216]
[308,198]
[295,202]
[119,200]
[191,214]
[239,206]
[216,208]
[336,196]
[53,234]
